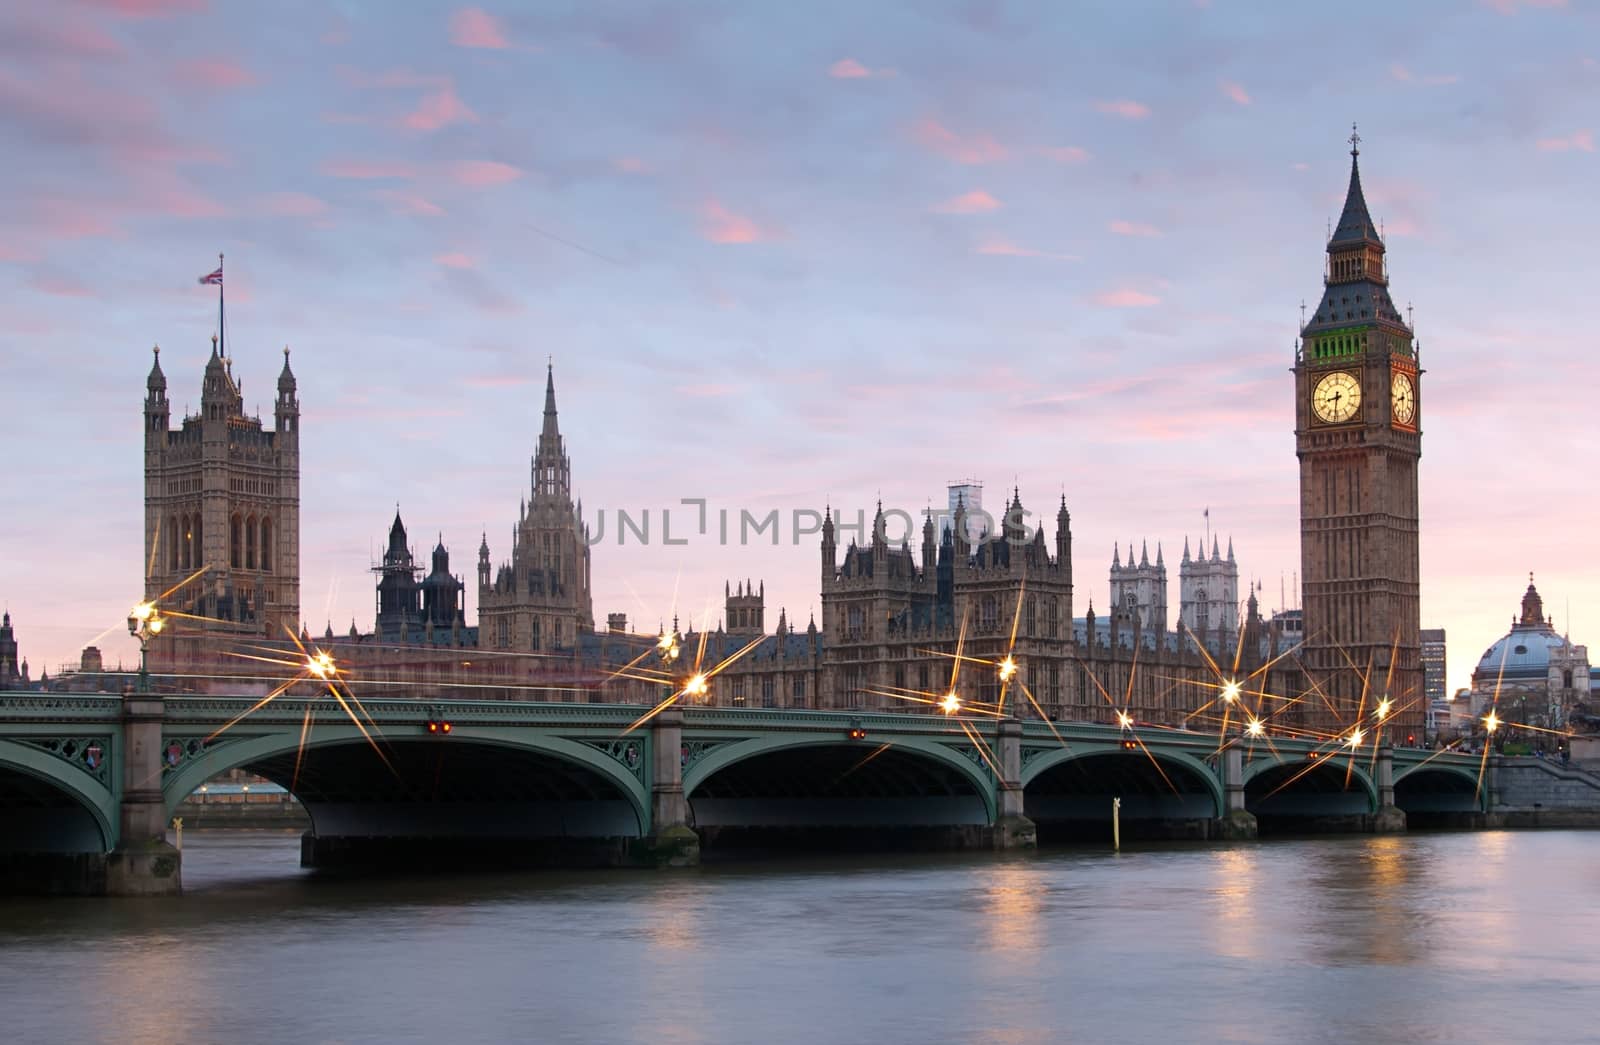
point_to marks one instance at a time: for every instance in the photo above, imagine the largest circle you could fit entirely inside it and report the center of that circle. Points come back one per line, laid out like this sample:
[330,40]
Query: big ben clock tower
[1358,415]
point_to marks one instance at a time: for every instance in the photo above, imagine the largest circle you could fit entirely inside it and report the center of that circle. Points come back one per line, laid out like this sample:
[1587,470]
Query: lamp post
[145,623]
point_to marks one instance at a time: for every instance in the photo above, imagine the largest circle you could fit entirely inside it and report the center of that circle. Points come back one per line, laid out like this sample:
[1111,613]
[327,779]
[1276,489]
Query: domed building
[1539,675]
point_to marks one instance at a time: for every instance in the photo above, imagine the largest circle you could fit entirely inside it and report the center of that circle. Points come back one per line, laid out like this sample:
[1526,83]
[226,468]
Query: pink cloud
[1300,166]
[474,27]
[977,148]
[1134,228]
[10,253]
[1006,248]
[1510,7]
[720,225]
[367,169]
[67,219]
[630,165]
[481,173]
[1125,297]
[410,203]
[338,31]
[1066,153]
[55,34]
[1234,91]
[1580,141]
[707,391]
[216,73]
[294,205]
[439,108]
[1123,107]
[454,260]
[850,69]
[975,202]
[59,286]
[180,201]
[148,8]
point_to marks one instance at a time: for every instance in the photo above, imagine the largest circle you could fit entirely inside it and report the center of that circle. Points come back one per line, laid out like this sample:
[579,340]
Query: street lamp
[145,623]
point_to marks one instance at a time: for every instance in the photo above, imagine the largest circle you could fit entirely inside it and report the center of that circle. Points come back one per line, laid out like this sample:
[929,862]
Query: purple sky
[785,254]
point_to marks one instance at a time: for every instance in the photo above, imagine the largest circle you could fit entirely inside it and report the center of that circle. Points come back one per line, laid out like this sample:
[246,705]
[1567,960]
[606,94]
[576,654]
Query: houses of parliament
[222,508]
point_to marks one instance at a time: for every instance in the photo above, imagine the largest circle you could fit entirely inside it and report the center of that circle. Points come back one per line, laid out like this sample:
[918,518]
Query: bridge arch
[479,781]
[1069,792]
[1305,793]
[1426,789]
[907,781]
[47,804]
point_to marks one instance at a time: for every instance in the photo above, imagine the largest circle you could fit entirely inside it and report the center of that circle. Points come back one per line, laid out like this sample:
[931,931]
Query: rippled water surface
[1489,937]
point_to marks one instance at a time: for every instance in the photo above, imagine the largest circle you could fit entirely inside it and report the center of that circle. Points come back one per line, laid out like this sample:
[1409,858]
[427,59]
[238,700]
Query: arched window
[250,543]
[1566,678]
[1031,620]
[235,552]
[1202,610]
[266,544]
[197,542]
[536,633]
[173,541]
[990,613]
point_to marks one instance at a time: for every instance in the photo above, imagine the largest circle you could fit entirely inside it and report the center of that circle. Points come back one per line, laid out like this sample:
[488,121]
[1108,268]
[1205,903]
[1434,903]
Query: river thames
[1473,937]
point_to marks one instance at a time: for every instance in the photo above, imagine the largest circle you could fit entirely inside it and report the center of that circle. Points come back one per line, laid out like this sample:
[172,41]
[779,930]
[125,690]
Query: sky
[788,255]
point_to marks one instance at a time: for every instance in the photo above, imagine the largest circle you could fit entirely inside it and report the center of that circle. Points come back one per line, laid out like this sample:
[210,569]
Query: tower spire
[552,475]
[551,429]
[1355,221]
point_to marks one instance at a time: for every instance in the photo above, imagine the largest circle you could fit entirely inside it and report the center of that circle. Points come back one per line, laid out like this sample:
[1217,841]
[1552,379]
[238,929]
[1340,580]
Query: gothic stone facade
[222,512]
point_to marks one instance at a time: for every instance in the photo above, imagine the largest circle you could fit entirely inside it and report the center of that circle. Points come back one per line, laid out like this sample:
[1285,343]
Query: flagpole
[222,320]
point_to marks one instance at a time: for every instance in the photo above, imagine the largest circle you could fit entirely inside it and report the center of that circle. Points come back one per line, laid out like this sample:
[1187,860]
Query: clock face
[1402,398]
[1337,397]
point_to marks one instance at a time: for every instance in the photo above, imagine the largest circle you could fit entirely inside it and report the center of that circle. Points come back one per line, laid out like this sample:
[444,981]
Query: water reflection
[1460,938]
[1236,882]
[1014,895]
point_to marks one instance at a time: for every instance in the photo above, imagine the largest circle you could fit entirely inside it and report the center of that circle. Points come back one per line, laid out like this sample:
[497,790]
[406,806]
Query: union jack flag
[212,277]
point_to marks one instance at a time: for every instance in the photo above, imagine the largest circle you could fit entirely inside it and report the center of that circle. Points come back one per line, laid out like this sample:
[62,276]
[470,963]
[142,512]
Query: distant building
[967,496]
[540,599]
[415,612]
[1210,594]
[221,512]
[1139,589]
[1441,722]
[13,671]
[1433,665]
[1532,675]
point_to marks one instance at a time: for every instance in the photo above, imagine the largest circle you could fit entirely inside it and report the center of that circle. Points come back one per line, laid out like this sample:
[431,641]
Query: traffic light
[1411,738]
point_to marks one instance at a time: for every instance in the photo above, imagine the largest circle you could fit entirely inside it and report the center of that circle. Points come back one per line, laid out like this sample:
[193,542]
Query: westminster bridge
[88,784]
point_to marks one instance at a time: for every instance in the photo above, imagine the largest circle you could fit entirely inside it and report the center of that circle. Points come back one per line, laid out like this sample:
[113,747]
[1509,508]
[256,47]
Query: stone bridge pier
[1389,818]
[1012,830]
[671,842]
[1236,823]
[143,863]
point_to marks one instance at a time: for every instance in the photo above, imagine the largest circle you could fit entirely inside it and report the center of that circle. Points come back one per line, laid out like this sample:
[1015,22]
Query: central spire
[551,470]
[550,429]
